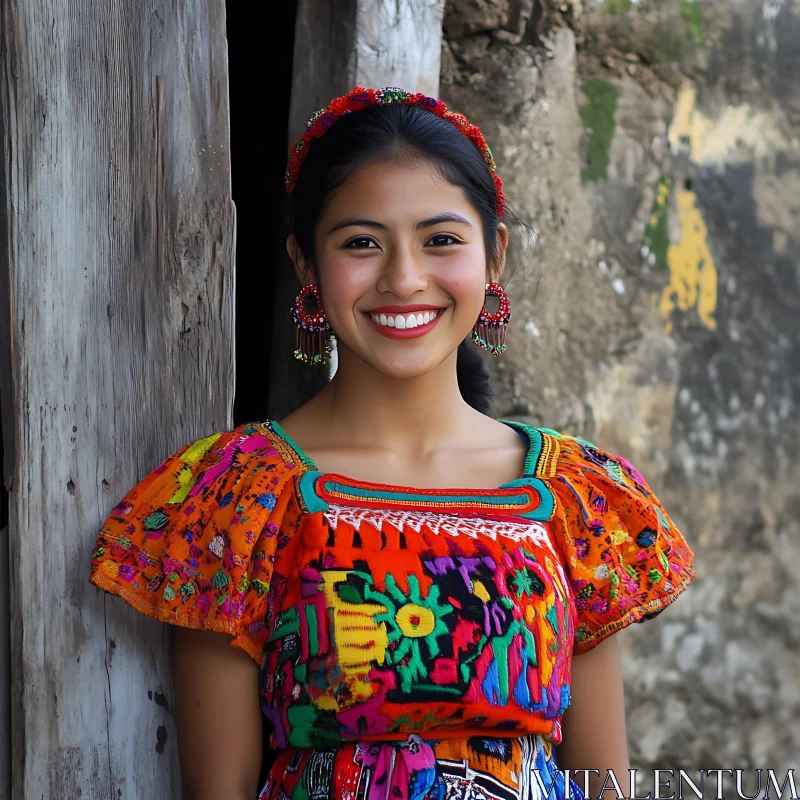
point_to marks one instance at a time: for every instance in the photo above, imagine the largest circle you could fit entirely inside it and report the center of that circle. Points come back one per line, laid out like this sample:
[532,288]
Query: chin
[407,368]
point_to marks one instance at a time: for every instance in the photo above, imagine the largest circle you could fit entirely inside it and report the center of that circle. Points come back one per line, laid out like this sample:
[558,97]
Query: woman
[404,580]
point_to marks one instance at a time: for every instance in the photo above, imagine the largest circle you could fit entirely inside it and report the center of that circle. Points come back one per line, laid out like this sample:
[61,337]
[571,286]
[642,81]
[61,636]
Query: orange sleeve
[626,559]
[193,543]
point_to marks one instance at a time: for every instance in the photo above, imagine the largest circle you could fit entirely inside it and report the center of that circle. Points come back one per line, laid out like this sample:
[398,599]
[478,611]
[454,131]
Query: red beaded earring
[489,331]
[311,327]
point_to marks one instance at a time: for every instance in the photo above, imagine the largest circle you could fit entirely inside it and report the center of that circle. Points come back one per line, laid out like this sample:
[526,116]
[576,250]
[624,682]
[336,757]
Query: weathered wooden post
[116,324]
[365,42]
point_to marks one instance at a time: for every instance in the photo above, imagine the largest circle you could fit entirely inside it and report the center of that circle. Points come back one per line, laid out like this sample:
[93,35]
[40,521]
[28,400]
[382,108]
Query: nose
[403,273]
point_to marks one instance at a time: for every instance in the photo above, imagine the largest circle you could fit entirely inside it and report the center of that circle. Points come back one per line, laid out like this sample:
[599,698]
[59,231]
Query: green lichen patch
[656,235]
[619,6]
[597,115]
[690,14]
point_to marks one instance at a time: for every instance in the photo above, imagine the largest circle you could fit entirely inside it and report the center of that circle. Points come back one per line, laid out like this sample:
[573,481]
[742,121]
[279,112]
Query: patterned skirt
[417,769]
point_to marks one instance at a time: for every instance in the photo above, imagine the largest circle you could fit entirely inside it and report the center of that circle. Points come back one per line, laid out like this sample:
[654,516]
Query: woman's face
[402,267]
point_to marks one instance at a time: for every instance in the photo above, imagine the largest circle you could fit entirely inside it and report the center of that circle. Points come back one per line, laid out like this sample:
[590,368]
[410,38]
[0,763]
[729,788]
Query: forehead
[398,190]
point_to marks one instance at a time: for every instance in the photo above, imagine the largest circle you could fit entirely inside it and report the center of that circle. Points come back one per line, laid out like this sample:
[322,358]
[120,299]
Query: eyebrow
[423,223]
[448,216]
[361,223]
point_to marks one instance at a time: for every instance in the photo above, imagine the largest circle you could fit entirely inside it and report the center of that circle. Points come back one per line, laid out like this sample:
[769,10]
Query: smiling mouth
[406,321]
[398,323]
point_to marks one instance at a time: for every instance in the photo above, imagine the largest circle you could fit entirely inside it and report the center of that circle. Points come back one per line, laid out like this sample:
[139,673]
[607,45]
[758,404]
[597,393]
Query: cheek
[464,279]
[343,280]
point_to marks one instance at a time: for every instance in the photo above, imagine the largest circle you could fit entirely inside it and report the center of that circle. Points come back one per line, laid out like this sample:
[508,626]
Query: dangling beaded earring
[311,327]
[489,331]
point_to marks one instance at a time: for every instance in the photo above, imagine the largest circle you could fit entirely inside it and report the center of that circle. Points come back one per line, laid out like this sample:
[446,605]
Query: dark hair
[400,132]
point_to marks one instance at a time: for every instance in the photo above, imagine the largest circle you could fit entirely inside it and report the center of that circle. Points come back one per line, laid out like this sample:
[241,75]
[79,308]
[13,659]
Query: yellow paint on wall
[721,139]
[693,275]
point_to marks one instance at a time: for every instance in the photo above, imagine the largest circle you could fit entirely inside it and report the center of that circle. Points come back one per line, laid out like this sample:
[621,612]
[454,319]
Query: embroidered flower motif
[646,538]
[411,619]
[156,521]
[526,583]
[217,546]
[601,572]
[600,605]
[620,536]
[266,500]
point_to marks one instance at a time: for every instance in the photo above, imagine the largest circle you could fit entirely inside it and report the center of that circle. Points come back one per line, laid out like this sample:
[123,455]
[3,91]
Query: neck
[399,412]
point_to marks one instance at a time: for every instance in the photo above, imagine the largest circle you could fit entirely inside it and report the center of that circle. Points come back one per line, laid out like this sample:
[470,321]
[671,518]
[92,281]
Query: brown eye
[361,243]
[443,240]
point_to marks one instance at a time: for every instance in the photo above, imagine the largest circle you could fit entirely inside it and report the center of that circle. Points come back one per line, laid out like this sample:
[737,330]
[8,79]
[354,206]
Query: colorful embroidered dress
[412,643]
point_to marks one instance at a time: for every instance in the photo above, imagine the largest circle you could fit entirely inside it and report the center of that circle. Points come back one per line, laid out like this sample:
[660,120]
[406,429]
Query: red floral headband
[359,98]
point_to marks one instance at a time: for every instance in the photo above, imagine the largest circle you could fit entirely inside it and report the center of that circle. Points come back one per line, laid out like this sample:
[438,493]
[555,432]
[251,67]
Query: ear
[497,268]
[301,267]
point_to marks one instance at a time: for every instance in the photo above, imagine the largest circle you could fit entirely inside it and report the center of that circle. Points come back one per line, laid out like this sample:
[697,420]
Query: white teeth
[407,321]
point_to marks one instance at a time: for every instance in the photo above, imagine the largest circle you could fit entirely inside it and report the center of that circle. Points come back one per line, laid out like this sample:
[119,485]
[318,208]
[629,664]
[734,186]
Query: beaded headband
[359,98]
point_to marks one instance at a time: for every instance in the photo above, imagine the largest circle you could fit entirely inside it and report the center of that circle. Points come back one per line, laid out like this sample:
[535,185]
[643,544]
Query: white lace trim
[451,524]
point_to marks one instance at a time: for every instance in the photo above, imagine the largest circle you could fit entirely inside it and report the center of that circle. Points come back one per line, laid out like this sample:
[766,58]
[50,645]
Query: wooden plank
[399,44]
[366,42]
[5,669]
[118,234]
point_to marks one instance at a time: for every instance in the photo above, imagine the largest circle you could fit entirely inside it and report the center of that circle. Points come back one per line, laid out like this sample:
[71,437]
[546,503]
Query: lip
[404,309]
[404,333]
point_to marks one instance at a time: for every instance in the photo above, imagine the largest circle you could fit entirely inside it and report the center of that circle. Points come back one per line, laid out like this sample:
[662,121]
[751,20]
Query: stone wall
[654,146]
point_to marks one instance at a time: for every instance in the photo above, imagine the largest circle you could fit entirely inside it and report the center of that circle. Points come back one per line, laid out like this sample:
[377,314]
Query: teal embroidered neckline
[516,497]
[528,469]
[302,457]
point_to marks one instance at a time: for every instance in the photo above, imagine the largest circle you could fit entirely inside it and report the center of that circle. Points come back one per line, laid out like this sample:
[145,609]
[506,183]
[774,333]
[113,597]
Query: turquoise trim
[534,448]
[413,496]
[307,462]
[308,494]
[547,503]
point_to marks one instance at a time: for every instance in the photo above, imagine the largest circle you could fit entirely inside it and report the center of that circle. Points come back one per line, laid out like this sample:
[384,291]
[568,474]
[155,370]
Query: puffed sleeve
[626,559]
[193,543]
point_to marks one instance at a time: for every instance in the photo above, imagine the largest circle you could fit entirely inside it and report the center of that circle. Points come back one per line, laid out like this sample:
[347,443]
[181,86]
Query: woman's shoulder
[201,465]
[559,455]
[193,542]
[626,557]
[593,481]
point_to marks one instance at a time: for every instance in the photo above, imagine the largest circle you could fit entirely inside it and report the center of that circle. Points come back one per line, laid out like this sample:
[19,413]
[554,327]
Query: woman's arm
[594,723]
[218,713]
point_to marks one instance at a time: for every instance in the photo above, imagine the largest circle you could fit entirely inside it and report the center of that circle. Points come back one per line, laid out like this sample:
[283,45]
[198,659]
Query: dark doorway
[260,46]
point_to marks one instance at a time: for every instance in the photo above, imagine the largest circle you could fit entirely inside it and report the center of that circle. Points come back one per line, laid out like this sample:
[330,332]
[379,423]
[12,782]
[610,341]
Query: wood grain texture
[118,236]
[5,672]
[366,42]
[399,43]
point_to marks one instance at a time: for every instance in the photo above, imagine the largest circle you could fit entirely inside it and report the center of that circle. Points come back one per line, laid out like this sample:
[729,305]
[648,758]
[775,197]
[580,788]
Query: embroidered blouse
[410,641]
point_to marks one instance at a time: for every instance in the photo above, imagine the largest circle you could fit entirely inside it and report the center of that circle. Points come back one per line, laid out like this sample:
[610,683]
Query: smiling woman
[409,585]
[387,187]
[421,247]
